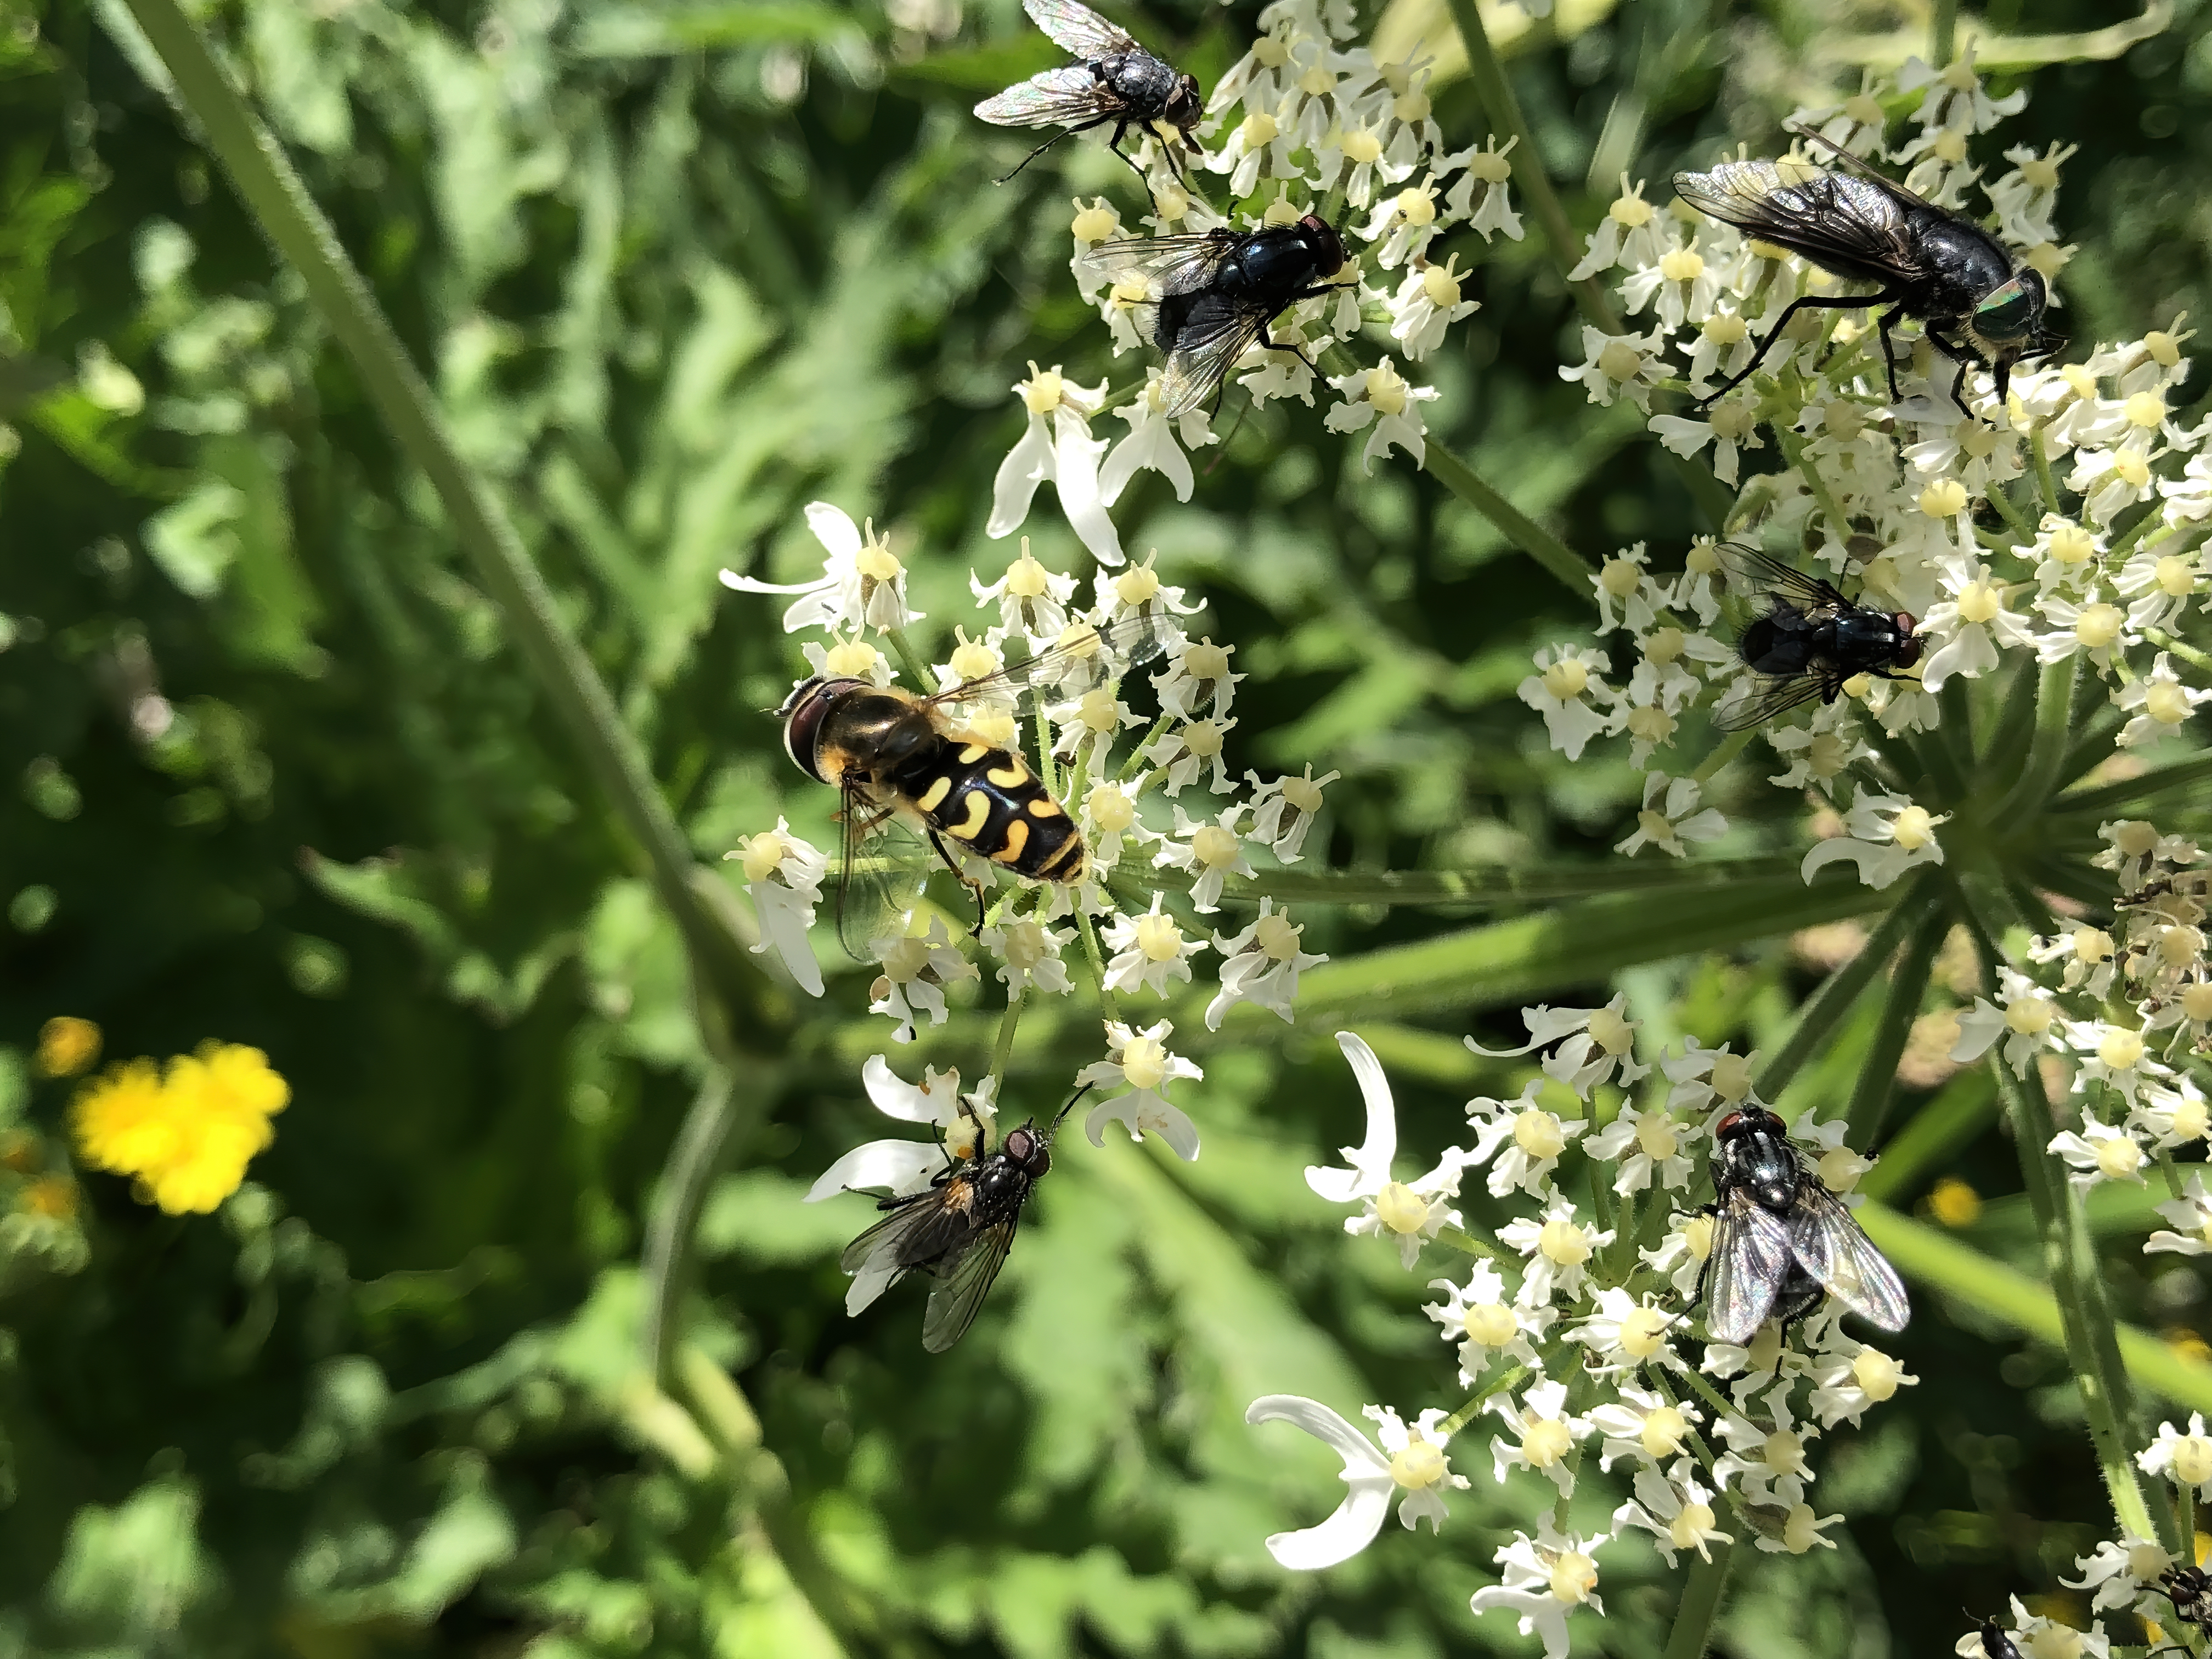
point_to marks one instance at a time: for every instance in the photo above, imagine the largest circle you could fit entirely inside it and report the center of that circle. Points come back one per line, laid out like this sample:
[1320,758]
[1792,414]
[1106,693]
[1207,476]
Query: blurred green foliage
[276,776]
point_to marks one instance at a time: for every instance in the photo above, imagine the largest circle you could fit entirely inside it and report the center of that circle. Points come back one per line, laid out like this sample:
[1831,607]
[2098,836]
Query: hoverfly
[958,1229]
[1780,1239]
[2189,1589]
[1211,297]
[1115,80]
[903,764]
[1810,640]
[1931,264]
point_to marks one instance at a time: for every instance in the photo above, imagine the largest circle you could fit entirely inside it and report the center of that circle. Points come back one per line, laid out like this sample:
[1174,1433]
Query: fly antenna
[1065,1110]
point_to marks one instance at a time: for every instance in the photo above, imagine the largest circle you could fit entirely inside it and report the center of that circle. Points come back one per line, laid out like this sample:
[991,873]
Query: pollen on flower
[1109,807]
[1620,577]
[1566,679]
[1684,264]
[1564,1243]
[2176,576]
[1419,1463]
[1096,223]
[1574,1575]
[1417,207]
[1492,1324]
[1545,1441]
[2121,1050]
[1139,585]
[2118,1158]
[1644,1331]
[1539,1133]
[1664,1429]
[1159,938]
[1630,212]
[2097,626]
[1362,147]
[1440,285]
[854,659]
[1260,127]
[1914,829]
[1876,1374]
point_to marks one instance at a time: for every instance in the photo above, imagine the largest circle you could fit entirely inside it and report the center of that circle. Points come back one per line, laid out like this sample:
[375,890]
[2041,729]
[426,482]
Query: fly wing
[964,1281]
[1835,1250]
[1070,95]
[1077,30]
[884,1245]
[1757,575]
[880,871]
[1755,699]
[1211,342]
[1853,227]
[1165,264]
[1087,656]
[1750,1260]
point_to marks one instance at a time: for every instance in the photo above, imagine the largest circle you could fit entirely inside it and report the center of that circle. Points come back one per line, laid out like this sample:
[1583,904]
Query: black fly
[958,1229]
[1995,1645]
[2189,1589]
[1808,641]
[1780,1239]
[1931,264]
[1114,80]
[1210,297]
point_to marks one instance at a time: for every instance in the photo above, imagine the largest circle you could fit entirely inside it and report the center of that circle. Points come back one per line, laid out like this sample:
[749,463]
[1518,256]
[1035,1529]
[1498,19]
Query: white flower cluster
[2064,523]
[2135,1575]
[2121,1013]
[1319,127]
[1568,1328]
[1137,803]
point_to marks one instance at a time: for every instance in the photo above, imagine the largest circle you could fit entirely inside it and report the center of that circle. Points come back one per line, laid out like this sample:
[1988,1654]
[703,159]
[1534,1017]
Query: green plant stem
[1728,749]
[1004,1046]
[1942,27]
[698,1153]
[279,203]
[1827,1007]
[2137,791]
[2045,480]
[1503,1382]
[909,658]
[2199,660]
[1481,884]
[2046,748]
[1877,1079]
[1571,568]
[1700,1606]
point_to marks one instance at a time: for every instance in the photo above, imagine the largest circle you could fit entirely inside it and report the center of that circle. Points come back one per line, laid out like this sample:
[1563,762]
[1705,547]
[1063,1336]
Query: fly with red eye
[1804,641]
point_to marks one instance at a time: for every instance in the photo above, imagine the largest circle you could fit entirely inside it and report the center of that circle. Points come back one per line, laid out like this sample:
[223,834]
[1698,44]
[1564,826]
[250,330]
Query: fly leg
[1274,344]
[1804,302]
[1068,132]
[1884,323]
[974,886]
[1121,131]
[1958,353]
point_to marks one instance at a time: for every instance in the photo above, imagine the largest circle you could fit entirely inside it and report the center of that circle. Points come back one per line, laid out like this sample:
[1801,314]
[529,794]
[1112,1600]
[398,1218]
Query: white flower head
[863,583]
[2185,1458]
[1406,1211]
[1410,1462]
[1029,955]
[1261,965]
[1056,445]
[1486,1323]
[1141,1068]
[1543,1579]
[1644,1145]
[1642,1427]
[1678,1514]
[1149,950]
[783,877]
[916,969]
[1885,835]
[2192,1213]
[2099,1152]
[1559,1248]
[1381,398]
[1671,816]
[1519,1139]
[2159,701]
[1542,1434]
[1283,808]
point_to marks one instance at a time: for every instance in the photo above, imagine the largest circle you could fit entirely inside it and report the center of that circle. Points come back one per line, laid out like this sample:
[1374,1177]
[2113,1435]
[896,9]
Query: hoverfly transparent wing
[1835,1250]
[1070,95]
[1217,334]
[1079,31]
[1087,657]
[1754,699]
[1165,264]
[964,1281]
[1851,225]
[1755,576]
[880,870]
[1750,1259]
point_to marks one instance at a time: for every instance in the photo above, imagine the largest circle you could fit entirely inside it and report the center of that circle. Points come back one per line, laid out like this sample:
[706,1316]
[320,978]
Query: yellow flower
[188,1136]
[122,1121]
[67,1046]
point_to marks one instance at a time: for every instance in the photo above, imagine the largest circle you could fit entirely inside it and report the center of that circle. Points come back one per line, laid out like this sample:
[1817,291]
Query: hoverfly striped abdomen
[987,799]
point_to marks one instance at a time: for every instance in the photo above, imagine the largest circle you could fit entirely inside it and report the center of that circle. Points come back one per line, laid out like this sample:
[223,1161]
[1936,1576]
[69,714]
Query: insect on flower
[1810,640]
[1995,1645]
[1210,296]
[2189,1589]
[1115,80]
[1780,1239]
[904,765]
[1931,264]
[958,1229]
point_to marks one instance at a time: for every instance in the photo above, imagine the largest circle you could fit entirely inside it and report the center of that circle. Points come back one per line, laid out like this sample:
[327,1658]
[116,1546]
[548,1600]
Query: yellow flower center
[1950,147]
[1489,166]
[1096,712]
[1136,585]
[1417,207]
[2165,702]
[995,725]
[1303,793]
[1386,390]
[2146,410]
[2165,350]
[1944,499]
[1417,1463]
[1205,661]
[2192,1117]
[1691,1522]
[1843,419]
[1655,1138]
[1663,1431]
[1026,577]
[2196,1002]
[1683,265]
[1655,826]
[1259,128]
[1663,646]
[1110,808]
[1566,679]
[1620,360]
[2118,1158]
[1545,1441]
[1784,1453]
[1158,938]
[2133,470]
[763,853]
[1564,1244]
[1172,202]
[1492,1324]
[1620,577]
[1144,1063]
[1401,1209]
[1276,938]
[1318,82]
[2092,945]
[2121,1050]
[1412,107]
[2098,625]
[1630,212]
[2192,1460]
[2080,380]
[1877,1375]
[1269,52]
[2180,945]
[1362,149]
[972,660]
[1096,223]
[1440,286]
[1978,603]
[1725,328]
[2174,575]
[1643,1333]
[1213,846]
[1041,391]
[2029,1015]
[1914,829]
[1539,1133]
[878,563]
[853,660]
[1574,1575]
[1203,738]
[1697,1233]
[1801,1529]
[1611,1032]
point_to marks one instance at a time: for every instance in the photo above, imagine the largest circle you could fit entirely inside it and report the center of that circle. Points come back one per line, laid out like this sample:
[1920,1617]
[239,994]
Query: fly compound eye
[1021,1145]
[2009,314]
[1728,1125]
[1185,108]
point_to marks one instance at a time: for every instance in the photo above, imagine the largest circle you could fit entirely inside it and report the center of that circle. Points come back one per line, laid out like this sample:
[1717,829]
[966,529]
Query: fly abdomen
[1781,644]
[987,799]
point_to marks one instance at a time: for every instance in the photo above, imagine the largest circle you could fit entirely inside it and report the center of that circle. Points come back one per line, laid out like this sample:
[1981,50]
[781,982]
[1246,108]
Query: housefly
[1782,1240]
[1930,264]
[1209,297]
[913,777]
[1808,641]
[958,1229]
[1115,80]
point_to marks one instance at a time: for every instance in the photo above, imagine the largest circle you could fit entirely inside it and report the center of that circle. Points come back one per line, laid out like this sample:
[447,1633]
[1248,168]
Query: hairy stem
[691,1165]
[1700,1606]
[1480,885]
[279,203]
